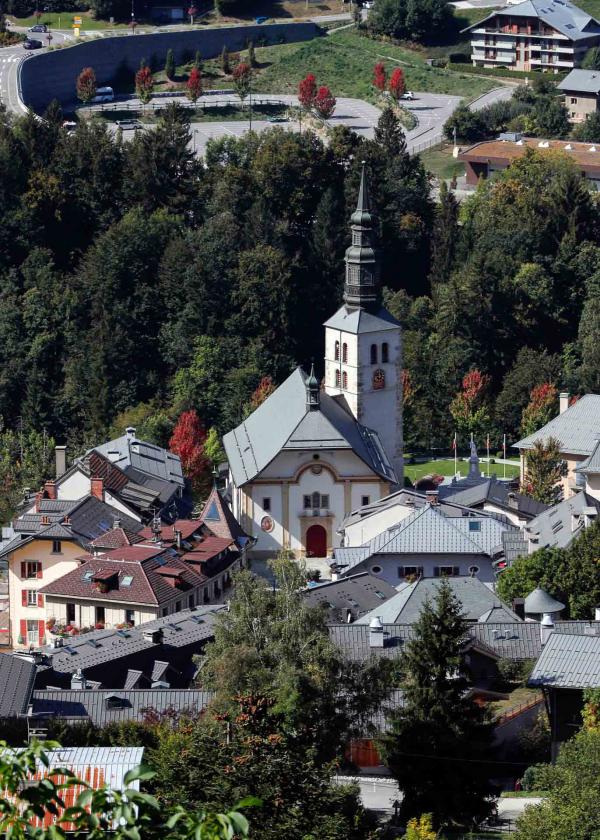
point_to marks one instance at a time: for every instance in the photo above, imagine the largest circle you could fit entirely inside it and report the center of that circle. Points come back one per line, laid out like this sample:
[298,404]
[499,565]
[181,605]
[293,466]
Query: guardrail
[515,711]
[137,107]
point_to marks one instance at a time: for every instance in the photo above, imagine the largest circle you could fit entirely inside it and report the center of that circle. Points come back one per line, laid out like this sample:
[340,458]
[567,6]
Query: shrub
[538,777]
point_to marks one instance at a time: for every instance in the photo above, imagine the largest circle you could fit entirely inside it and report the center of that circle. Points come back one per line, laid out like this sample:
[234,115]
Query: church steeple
[361,289]
[313,396]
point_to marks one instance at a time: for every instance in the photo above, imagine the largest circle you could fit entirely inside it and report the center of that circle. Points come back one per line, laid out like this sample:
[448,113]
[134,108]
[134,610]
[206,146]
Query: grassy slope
[64,20]
[446,467]
[344,61]
[441,163]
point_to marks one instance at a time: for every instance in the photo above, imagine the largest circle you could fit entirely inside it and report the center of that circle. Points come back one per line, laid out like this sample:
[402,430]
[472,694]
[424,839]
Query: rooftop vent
[376,638]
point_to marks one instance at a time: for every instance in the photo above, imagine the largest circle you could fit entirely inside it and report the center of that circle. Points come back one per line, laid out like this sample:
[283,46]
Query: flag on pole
[504,445]
[487,441]
[454,442]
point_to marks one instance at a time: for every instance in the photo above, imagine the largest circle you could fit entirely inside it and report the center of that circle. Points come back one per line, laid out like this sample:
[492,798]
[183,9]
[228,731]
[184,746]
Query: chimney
[130,432]
[78,681]
[432,497]
[116,524]
[597,614]
[97,488]
[513,502]
[563,401]
[518,606]
[376,633]
[50,489]
[60,460]
[546,627]
[153,636]
[334,576]
[177,535]
[38,499]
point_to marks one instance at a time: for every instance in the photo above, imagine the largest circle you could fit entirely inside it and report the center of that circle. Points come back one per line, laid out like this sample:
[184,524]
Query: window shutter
[23,597]
[23,571]
[41,630]
[436,571]
[39,570]
[23,630]
[40,599]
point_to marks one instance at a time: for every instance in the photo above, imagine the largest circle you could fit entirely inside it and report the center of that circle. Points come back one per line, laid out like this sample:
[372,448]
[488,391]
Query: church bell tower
[363,342]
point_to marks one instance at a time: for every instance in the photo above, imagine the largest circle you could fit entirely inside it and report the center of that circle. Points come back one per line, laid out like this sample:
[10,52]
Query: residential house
[577,428]
[556,527]
[427,543]
[495,496]
[581,90]
[548,35]
[567,664]
[306,457]
[47,543]
[479,602]
[484,159]
[153,654]
[350,597]
[17,677]
[101,708]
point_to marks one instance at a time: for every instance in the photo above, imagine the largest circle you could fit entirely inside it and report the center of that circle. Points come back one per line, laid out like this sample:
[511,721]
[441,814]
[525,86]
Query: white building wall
[267,540]
[387,566]
[592,486]
[359,533]
[72,487]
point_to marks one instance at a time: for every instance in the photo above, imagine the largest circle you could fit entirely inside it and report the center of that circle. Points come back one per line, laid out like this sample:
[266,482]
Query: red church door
[316,541]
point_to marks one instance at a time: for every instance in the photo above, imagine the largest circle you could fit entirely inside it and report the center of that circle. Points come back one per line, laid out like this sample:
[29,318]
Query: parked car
[39,27]
[128,125]
[262,19]
[277,118]
[31,44]
[69,126]
[409,95]
[103,94]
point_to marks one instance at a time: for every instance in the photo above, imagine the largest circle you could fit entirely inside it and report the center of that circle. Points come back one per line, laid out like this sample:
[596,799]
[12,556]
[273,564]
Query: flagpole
[504,453]
[488,455]
[455,456]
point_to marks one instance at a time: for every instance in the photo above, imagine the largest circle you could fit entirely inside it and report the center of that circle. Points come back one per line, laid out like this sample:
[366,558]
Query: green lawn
[344,61]
[225,114]
[64,20]
[446,467]
[441,163]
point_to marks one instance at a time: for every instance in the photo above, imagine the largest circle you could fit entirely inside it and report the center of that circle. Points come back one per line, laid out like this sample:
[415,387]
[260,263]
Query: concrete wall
[53,75]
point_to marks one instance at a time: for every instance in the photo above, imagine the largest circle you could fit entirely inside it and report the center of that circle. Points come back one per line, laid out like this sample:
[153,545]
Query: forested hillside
[137,282]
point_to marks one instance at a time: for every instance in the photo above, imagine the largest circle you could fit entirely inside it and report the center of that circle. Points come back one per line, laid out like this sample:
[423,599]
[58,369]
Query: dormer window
[378,380]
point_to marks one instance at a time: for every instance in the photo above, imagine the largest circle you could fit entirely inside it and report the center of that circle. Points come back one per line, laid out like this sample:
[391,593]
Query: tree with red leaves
[324,103]
[194,85]
[379,76]
[144,84]
[265,388]
[86,84]
[188,441]
[540,409]
[397,84]
[242,76]
[470,408]
[307,92]
[192,12]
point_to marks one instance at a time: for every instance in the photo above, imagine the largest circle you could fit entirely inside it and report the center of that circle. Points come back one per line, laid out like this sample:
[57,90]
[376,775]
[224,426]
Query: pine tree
[198,60]
[225,65]
[170,65]
[251,55]
[445,237]
[389,133]
[440,740]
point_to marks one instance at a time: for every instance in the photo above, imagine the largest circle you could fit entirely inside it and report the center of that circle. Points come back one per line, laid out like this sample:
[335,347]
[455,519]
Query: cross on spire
[362,266]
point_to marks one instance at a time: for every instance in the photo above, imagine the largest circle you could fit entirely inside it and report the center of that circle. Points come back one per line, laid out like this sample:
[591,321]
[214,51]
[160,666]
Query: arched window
[344,381]
[373,354]
[384,352]
[378,380]
[337,378]
[344,352]
[316,500]
[337,351]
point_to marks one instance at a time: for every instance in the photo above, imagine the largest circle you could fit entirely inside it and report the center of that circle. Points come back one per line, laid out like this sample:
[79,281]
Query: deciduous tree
[242,79]
[144,84]
[193,85]
[380,76]
[307,91]
[86,85]
[543,471]
[540,409]
[470,407]
[397,84]
[188,441]
[324,103]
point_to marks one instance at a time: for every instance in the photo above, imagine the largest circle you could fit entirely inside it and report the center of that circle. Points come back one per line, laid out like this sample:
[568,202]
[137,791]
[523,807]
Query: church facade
[312,453]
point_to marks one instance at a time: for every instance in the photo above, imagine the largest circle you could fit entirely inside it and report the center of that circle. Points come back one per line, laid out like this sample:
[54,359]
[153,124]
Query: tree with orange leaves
[188,441]
[470,407]
[540,409]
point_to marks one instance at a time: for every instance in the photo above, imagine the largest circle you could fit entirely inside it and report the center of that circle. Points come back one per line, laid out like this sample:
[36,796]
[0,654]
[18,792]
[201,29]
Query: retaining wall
[52,75]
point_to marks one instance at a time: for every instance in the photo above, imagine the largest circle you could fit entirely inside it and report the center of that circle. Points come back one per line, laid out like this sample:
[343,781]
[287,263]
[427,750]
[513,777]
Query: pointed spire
[313,396]
[362,267]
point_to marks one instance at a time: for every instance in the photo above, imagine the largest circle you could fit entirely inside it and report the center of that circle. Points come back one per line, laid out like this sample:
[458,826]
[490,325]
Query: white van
[103,94]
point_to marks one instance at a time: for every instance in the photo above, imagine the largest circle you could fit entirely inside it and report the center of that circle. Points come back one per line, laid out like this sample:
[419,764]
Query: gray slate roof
[477,600]
[283,422]
[539,601]
[581,81]
[146,458]
[357,321]
[568,661]
[514,545]
[498,493]
[99,706]
[356,594]
[509,640]
[17,677]
[181,629]
[560,14]
[577,428]
[555,526]
[429,531]
[591,465]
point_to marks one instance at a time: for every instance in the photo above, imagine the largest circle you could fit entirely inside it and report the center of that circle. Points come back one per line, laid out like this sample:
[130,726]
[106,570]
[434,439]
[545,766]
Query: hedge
[500,72]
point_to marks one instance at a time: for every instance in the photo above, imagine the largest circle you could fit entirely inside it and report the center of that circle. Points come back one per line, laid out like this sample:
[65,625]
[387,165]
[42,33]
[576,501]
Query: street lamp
[133,22]
[215,473]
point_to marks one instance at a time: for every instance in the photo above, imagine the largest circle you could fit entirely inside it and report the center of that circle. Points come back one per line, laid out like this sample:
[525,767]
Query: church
[312,452]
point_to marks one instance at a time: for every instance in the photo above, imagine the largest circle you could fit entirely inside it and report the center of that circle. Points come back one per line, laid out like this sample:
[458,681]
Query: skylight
[126,580]
[474,526]
[88,575]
